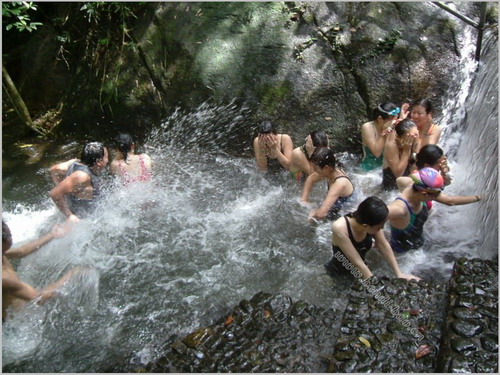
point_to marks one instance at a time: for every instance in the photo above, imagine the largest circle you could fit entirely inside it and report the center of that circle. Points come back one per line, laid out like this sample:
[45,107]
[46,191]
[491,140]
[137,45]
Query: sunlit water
[165,257]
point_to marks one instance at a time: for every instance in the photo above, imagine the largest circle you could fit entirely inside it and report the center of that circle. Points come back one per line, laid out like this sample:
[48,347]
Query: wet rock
[467,328]
[490,343]
[460,344]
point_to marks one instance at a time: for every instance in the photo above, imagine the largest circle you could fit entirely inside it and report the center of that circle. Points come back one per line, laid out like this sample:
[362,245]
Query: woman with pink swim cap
[408,213]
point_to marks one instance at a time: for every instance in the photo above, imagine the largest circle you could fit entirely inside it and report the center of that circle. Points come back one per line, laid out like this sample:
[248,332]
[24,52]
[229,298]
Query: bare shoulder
[79,177]
[339,226]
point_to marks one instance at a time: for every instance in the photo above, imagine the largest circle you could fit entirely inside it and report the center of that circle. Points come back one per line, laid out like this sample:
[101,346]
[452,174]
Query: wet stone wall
[390,325]
[269,333]
[470,337]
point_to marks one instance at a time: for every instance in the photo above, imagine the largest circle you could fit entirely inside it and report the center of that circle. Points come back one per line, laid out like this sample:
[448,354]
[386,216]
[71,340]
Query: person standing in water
[128,165]
[78,184]
[398,151]
[429,133]
[354,234]
[409,212]
[273,151]
[15,292]
[374,134]
[300,165]
[429,156]
[340,187]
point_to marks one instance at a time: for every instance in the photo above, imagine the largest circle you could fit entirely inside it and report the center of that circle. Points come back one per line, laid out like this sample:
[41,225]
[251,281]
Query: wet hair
[266,127]
[384,110]
[92,152]
[372,211]
[426,103]
[319,138]
[124,142]
[6,235]
[404,126]
[323,156]
[429,154]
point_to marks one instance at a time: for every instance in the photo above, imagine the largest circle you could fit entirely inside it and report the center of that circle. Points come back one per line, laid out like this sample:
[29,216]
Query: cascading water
[166,257]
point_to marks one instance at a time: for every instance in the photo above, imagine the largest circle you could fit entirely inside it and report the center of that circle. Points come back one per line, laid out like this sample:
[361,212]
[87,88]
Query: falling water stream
[165,257]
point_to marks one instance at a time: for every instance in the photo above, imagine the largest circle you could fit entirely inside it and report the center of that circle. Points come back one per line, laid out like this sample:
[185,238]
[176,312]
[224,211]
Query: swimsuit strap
[351,236]
[407,205]
[281,143]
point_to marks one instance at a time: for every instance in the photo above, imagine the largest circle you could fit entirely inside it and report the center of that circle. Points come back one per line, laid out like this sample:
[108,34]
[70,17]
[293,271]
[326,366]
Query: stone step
[470,336]
[390,325]
[269,333]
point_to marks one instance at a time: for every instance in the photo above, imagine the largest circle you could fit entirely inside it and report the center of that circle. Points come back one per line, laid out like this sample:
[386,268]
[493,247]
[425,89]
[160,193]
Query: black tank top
[335,266]
[83,207]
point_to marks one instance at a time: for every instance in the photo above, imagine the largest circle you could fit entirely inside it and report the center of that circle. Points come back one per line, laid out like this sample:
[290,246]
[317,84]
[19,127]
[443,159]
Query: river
[167,257]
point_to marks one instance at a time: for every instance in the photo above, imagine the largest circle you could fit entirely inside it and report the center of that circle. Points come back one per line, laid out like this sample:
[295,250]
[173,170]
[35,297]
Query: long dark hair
[429,154]
[372,211]
[324,156]
[123,143]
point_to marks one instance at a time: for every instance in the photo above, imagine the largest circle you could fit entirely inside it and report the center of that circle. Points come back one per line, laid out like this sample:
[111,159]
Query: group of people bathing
[402,141]
[78,187]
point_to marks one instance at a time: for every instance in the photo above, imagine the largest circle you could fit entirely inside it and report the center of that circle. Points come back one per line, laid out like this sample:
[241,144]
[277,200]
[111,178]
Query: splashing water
[167,256]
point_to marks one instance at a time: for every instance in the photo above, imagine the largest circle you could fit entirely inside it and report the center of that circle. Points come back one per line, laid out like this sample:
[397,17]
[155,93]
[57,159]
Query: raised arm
[57,231]
[260,155]
[283,153]
[386,250]
[457,200]
[396,162]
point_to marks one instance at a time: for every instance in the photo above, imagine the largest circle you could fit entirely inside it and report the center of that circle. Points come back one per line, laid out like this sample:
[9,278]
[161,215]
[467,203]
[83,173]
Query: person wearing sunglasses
[409,212]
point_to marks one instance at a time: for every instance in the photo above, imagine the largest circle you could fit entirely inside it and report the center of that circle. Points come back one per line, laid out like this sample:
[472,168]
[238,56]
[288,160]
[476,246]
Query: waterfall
[477,155]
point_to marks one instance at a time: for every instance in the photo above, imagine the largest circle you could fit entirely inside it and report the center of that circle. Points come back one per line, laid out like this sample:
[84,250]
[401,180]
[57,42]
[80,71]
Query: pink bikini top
[145,175]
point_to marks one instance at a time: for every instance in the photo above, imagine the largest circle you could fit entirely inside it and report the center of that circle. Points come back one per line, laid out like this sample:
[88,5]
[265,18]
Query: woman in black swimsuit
[272,151]
[353,236]
[340,187]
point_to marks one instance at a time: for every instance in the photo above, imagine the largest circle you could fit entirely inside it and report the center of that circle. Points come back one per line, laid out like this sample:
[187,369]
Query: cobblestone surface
[390,326]
[470,337]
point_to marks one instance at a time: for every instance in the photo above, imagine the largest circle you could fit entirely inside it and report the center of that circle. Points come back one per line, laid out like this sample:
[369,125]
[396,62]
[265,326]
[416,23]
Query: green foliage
[274,96]
[15,14]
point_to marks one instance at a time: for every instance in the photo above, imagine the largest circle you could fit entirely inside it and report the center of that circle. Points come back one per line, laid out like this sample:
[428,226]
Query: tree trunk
[18,102]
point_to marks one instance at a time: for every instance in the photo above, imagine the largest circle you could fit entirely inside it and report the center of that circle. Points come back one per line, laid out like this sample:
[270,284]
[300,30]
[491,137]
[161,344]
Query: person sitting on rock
[354,235]
[340,187]
[300,165]
[131,167]
[409,212]
[76,194]
[273,151]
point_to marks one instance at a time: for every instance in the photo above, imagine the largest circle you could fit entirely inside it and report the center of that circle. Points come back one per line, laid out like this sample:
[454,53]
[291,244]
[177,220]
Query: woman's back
[135,168]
